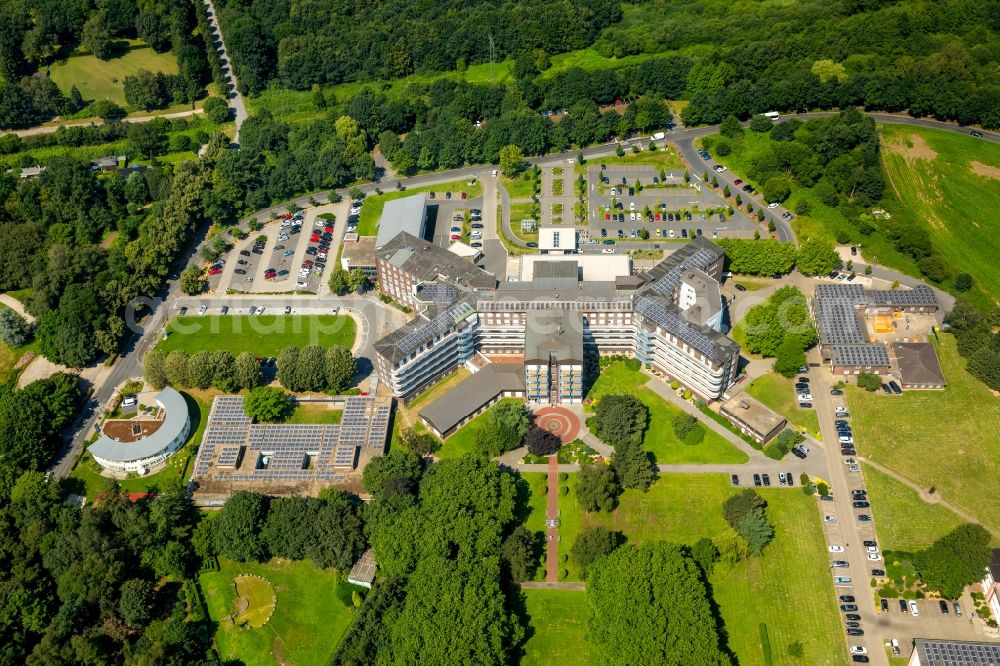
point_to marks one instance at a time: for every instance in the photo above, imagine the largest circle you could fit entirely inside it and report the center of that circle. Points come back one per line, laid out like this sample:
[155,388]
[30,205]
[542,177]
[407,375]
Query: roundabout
[560,421]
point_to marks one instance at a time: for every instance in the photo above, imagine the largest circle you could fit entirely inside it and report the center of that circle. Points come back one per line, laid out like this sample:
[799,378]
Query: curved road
[236,101]
[129,363]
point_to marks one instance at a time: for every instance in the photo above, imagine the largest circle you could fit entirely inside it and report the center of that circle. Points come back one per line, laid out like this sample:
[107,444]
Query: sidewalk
[552,522]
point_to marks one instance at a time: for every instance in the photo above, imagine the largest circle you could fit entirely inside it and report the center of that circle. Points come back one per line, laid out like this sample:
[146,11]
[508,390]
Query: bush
[675,385]
[723,148]
[869,382]
[822,488]
[563,476]
[217,110]
[564,490]
[563,574]
[543,489]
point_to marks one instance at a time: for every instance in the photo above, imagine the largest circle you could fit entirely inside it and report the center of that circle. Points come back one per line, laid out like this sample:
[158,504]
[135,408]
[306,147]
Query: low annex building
[919,367]
[473,397]
[947,652]
[285,458]
[407,261]
[139,445]
[753,418]
[668,317]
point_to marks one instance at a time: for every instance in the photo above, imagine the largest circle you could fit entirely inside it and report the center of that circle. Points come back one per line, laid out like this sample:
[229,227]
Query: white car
[871,549]
[913,609]
[631,205]
[608,250]
[671,233]
[874,557]
[260,311]
[300,285]
[773,204]
[854,468]
[805,397]
[859,649]
[285,224]
[836,549]
[719,168]
[202,309]
[829,519]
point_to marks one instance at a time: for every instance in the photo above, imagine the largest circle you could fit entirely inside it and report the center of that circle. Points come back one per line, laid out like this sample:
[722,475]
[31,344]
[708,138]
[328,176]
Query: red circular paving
[559,421]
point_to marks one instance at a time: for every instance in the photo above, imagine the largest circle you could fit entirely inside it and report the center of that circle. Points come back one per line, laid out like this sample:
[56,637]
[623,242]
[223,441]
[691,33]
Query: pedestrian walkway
[17,306]
[552,523]
[538,585]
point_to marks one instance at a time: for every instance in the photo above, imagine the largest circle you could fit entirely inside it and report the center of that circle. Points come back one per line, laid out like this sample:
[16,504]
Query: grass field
[685,507]
[260,600]
[104,79]
[312,612]
[903,520]
[660,439]
[778,392]
[520,187]
[87,471]
[464,441]
[261,335]
[952,182]
[9,356]
[371,209]
[947,439]
[661,158]
[306,412]
[559,628]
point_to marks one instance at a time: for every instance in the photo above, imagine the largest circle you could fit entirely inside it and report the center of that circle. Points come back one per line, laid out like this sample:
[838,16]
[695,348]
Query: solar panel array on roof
[289,452]
[958,653]
[436,292]
[838,322]
[866,354]
[919,296]
[668,316]
[408,339]
[701,258]
[852,292]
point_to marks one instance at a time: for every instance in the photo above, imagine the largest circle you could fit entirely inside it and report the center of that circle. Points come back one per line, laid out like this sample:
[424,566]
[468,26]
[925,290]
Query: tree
[620,419]
[238,527]
[761,123]
[338,538]
[199,369]
[176,368]
[108,110]
[357,281]
[394,465]
[737,506]
[422,444]
[869,381]
[217,110]
[646,602]
[340,366]
[757,531]
[789,356]
[633,466]
[338,282]
[777,189]
[955,560]
[133,604]
[147,139]
[597,488]
[730,127]
[541,442]
[705,554]
[247,371]
[511,160]
[506,425]
[963,282]
[192,282]
[592,544]
[146,90]
[731,546]
[268,405]
[97,35]
[14,329]
[817,256]
[520,553]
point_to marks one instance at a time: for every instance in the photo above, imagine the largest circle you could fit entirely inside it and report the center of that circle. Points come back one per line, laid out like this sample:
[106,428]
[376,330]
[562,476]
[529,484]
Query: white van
[845,439]
[895,646]
[658,136]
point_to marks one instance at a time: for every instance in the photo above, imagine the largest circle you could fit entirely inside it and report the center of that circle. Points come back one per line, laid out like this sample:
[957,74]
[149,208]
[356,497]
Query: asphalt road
[236,101]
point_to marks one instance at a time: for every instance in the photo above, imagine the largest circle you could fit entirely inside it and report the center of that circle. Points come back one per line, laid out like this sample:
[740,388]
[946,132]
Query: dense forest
[299,44]
[37,33]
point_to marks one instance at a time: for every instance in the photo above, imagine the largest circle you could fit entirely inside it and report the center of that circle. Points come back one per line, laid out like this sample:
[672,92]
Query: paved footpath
[552,533]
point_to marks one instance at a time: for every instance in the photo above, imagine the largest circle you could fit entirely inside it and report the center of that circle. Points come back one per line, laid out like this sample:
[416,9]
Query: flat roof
[427,262]
[946,652]
[707,294]
[557,238]
[471,394]
[589,267]
[918,363]
[174,421]
[358,253]
[756,415]
[868,355]
[553,333]
[463,250]
[406,214]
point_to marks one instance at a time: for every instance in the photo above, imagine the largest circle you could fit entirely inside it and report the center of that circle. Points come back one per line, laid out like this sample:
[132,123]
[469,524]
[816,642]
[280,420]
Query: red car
[739,181]
[286,216]
[607,216]
[456,237]
[215,271]
[328,230]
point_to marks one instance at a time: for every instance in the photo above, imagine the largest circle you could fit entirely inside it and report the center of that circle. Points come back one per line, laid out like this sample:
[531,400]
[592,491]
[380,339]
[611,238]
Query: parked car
[943,605]
[884,605]
[756,480]
[735,479]
[914,611]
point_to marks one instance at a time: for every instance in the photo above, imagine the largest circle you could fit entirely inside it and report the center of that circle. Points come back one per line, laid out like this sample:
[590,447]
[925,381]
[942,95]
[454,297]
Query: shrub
[869,381]
[563,574]
[564,490]
[563,476]
[675,385]
[822,488]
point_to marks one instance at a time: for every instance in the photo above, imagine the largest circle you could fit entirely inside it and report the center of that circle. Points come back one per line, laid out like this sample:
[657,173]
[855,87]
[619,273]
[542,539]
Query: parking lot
[290,254]
[623,200]
[441,222]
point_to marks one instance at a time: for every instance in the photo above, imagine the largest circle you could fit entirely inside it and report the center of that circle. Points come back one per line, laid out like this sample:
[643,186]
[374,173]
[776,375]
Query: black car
[846,598]
[943,605]
[225,309]
[805,405]
[184,311]
[976,133]
[846,608]
[840,422]
[802,385]
[854,251]
[895,388]
[244,253]
[848,452]
[864,518]
[860,504]
[902,606]
[789,479]
[885,605]
[798,453]
[852,616]
[240,271]
[852,624]
[855,632]
[532,245]
[878,573]
[859,658]
[756,480]
[836,392]
[886,389]
[735,479]
[767,479]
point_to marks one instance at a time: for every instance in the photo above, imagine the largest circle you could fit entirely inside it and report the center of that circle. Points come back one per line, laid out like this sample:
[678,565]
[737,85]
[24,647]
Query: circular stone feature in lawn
[561,422]
[255,601]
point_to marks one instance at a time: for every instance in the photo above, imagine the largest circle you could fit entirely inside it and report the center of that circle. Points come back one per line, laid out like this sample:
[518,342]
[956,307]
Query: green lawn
[951,182]
[371,209]
[778,392]
[661,158]
[87,471]
[521,187]
[94,78]
[660,439]
[947,439]
[903,520]
[9,356]
[306,412]
[261,335]
[559,628]
[312,613]
[536,501]
[685,507]
[464,441]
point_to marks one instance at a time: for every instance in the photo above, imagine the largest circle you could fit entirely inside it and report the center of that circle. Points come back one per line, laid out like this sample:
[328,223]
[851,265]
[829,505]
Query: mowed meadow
[951,183]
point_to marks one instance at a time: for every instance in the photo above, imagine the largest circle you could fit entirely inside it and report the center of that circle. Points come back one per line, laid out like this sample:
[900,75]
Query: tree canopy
[620,419]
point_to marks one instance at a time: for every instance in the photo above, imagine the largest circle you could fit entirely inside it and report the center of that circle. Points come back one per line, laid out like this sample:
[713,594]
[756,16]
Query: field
[660,439]
[87,474]
[521,186]
[947,439]
[371,209]
[559,628]
[685,507]
[103,79]
[903,520]
[306,412]
[260,600]
[661,158]
[778,393]
[952,183]
[312,612]
[464,441]
[261,335]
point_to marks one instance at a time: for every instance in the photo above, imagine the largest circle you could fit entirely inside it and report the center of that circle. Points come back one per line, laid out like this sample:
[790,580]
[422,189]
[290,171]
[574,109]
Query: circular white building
[138,446]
